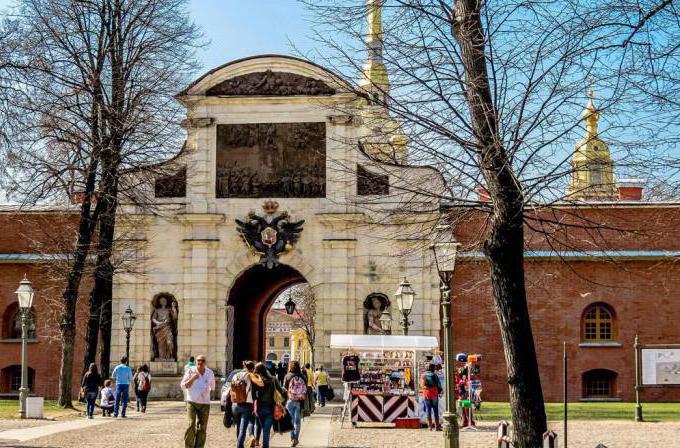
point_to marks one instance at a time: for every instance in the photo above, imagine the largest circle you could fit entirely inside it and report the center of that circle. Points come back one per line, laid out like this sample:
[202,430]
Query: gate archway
[250,298]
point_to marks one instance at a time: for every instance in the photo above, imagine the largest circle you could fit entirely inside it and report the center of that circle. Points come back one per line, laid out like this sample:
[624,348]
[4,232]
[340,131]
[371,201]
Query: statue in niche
[374,305]
[164,327]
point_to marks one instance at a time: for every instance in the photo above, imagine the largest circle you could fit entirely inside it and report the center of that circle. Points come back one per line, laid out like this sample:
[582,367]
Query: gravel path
[582,434]
[163,426]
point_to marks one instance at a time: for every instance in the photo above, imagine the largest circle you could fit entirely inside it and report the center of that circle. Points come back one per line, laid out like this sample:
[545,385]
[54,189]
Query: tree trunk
[504,248]
[70,295]
[103,277]
[92,334]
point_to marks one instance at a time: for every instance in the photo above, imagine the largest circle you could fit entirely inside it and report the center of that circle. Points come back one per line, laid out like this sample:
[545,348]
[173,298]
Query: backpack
[431,380]
[297,389]
[238,391]
[146,384]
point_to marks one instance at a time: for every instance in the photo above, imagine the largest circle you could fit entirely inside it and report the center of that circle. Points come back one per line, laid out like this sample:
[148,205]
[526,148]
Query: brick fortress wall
[25,238]
[642,291]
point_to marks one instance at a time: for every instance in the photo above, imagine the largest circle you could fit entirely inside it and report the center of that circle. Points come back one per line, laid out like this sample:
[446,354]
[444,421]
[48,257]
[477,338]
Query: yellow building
[300,348]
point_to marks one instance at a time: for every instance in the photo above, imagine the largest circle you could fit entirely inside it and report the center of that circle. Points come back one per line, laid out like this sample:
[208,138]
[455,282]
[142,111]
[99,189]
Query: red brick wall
[645,296]
[35,233]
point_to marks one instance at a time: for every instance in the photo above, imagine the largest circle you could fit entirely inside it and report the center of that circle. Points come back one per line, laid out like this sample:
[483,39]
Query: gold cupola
[592,167]
[374,79]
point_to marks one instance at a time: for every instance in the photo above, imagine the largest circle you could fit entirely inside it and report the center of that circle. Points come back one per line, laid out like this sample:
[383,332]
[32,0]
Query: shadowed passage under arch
[251,296]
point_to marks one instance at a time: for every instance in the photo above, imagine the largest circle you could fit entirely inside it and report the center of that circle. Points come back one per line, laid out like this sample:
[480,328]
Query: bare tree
[99,80]
[305,312]
[491,94]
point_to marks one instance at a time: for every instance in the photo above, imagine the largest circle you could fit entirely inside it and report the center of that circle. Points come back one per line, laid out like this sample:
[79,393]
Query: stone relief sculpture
[164,327]
[270,83]
[374,305]
[265,160]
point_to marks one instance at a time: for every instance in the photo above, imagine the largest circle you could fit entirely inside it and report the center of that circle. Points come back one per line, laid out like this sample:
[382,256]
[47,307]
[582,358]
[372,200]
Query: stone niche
[265,160]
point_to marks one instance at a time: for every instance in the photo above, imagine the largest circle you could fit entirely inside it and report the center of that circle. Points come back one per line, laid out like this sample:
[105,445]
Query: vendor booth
[380,374]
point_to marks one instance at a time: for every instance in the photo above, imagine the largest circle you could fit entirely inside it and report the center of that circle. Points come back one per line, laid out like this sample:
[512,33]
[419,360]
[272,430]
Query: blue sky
[239,28]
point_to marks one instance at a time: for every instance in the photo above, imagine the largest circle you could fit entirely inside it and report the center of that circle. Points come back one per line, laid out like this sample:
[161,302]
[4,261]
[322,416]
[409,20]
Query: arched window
[599,383]
[598,323]
[11,319]
[10,379]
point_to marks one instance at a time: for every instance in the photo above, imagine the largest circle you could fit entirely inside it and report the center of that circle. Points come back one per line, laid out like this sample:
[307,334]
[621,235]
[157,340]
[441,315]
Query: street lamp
[404,298]
[445,259]
[25,297]
[290,306]
[386,322]
[128,318]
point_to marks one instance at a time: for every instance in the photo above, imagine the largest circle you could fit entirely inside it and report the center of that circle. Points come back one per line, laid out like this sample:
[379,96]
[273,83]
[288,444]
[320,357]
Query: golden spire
[374,76]
[592,176]
[591,116]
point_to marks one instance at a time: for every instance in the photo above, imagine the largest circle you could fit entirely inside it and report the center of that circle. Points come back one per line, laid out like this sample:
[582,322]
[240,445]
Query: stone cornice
[201,218]
[335,219]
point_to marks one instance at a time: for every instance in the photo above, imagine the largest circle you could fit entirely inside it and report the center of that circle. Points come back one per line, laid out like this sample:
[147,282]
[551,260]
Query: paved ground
[163,426]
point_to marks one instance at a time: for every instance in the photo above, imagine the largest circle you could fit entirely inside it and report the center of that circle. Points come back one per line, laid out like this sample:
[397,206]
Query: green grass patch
[658,412]
[9,409]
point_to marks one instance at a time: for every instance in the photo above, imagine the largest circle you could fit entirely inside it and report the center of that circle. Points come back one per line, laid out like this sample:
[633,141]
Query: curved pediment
[270,83]
[267,76]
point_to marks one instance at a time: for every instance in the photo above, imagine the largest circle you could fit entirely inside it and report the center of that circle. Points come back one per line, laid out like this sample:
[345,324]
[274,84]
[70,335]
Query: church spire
[592,175]
[374,74]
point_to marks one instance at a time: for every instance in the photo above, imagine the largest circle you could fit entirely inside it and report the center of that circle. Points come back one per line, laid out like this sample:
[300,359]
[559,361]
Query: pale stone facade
[351,246]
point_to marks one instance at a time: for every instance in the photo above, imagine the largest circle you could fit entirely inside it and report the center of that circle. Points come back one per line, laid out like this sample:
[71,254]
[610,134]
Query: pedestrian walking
[269,400]
[295,383]
[142,387]
[309,403]
[198,382]
[281,372]
[321,381]
[107,399]
[431,387]
[190,363]
[90,385]
[122,375]
[243,398]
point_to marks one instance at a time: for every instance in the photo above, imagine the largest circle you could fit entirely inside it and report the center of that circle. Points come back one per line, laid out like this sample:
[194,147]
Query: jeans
[242,413]
[432,406]
[295,411]
[254,427]
[122,395]
[321,394]
[197,415]
[266,416]
[91,398]
[142,397]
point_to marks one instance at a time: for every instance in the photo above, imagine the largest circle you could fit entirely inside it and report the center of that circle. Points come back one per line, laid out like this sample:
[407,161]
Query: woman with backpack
[431,387]
[241,393]
[295,383]
[142,381]
[268,402]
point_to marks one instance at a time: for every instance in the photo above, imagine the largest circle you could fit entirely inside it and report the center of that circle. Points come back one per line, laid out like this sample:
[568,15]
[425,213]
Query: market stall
[381,375]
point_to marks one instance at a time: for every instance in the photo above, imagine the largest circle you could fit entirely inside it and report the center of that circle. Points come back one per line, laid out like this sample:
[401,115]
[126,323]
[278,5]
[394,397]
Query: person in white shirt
[198,383]
[106,398]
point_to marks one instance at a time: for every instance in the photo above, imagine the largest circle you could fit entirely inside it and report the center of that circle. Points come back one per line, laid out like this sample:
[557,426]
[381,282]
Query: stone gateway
[259,166]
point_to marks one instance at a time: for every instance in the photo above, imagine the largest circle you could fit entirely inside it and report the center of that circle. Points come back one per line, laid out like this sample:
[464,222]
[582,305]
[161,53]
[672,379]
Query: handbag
[284,424]
[279,411]
[228,419]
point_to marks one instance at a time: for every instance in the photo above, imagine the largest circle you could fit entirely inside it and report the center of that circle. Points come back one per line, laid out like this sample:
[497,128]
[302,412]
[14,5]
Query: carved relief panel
[271,160]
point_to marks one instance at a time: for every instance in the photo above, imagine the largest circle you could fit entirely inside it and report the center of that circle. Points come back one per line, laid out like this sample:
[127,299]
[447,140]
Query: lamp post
[25,297]
[445,258]
[386,322]
[404,298]
[290,306]
[128,318]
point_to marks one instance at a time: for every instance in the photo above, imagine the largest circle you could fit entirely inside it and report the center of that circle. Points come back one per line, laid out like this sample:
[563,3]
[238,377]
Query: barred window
[599,383]
[598,323]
